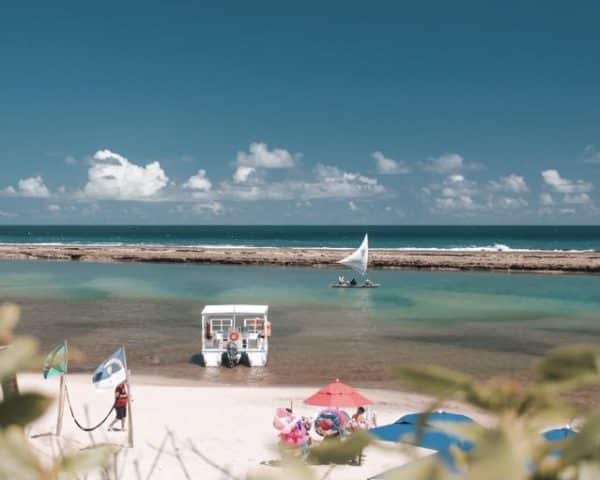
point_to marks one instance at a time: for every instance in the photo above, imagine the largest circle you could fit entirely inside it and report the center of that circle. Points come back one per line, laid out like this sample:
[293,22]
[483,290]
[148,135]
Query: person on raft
[121,401]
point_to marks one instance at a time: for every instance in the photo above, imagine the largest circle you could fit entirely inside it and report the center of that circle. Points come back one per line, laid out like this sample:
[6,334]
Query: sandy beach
[514,261]
[231,426]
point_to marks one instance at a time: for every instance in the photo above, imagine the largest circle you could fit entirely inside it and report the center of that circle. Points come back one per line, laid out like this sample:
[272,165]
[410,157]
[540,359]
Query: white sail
[358,259]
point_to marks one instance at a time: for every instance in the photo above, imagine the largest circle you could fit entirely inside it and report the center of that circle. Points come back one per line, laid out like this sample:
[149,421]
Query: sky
[182,112]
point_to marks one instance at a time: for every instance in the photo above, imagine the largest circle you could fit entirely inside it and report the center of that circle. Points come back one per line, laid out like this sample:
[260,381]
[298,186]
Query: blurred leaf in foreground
[23,409]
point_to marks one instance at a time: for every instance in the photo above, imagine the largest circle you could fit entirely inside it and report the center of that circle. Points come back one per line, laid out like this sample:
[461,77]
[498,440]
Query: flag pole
[129,415]
[61,394]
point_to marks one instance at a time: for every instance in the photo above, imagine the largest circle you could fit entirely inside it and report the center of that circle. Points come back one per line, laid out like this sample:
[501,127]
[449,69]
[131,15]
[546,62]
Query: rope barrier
[85,429]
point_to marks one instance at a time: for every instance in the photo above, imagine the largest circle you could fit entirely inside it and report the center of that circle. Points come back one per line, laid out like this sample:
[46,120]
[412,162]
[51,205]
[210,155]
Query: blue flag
[111,372]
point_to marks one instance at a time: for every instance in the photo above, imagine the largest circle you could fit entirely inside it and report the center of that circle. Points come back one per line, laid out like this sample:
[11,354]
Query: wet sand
[310,346]
[514,261]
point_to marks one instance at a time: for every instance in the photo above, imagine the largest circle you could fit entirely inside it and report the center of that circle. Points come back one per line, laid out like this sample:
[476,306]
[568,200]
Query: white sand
[231,426]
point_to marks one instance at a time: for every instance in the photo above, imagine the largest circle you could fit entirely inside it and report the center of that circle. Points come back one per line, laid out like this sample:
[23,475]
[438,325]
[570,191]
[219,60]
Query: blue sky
[262,112]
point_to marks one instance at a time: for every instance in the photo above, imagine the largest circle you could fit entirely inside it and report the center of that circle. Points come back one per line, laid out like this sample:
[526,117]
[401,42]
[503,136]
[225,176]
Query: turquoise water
[405,236]
[481,322]
[411,296]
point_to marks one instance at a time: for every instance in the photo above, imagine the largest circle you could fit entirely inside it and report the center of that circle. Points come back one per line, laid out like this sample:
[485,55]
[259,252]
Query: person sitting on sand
[121,401]
[359,420]
[353,282]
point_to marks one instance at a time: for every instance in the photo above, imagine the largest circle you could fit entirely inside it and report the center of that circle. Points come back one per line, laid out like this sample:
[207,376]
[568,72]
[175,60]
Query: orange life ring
[233,336]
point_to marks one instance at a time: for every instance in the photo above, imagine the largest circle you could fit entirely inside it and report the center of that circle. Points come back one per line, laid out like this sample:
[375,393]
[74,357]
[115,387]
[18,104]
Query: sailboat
[357,261]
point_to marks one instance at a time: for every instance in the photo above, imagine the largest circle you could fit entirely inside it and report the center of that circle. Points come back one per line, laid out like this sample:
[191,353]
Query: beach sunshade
[55,364]
[432,418]
[406,430]
[337,394]
[557,434]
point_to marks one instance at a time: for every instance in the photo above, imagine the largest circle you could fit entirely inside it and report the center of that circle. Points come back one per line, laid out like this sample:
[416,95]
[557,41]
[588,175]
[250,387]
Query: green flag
[56,362]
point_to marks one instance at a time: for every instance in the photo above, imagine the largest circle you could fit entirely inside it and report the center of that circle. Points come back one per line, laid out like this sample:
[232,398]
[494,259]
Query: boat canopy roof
[232,309]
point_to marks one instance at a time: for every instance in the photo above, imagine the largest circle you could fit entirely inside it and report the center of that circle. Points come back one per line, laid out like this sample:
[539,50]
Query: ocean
[484,323]
[397,237]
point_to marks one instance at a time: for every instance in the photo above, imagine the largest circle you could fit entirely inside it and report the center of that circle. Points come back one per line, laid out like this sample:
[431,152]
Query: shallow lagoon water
[485,323]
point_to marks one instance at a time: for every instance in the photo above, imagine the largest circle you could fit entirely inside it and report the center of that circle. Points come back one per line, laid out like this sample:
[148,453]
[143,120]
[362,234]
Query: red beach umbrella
[337,394]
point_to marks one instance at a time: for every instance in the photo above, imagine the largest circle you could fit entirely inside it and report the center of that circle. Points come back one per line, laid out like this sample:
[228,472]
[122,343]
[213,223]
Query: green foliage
[19,461]
[511,448]
[23,409]
[338,451]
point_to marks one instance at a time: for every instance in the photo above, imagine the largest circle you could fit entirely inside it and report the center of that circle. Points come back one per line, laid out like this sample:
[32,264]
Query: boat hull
[255,358]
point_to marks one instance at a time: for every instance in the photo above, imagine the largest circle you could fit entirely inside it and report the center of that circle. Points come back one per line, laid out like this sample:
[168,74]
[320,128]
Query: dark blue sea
[401,237]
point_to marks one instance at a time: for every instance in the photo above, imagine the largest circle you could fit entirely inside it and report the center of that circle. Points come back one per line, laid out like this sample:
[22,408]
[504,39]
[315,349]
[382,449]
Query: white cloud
[352,206]
[70,160]
[509,202]
[454,193]
[546,199]
[198,182]
[567,211]
[260,156]
[303,204]
[7,214]
[456,178]
[577,198]
[54,208]
[328,182]
[387,166]
[243,173]
[114,177]
[32,187]
[331,182]
[28,187]
[590,155]
[214,207]
[449,162]
[459,202]
[511,183]
[563,185]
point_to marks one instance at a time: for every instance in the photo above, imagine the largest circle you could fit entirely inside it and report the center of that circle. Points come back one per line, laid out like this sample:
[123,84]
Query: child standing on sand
[121,400]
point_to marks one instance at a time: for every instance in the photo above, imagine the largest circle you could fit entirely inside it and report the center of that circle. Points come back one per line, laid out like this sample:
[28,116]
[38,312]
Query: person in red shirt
[121,401]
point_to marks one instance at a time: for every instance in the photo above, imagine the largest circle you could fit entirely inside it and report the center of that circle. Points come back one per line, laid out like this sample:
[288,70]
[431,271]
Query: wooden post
[129,413]
[61,394]
[61,406]
[10,385]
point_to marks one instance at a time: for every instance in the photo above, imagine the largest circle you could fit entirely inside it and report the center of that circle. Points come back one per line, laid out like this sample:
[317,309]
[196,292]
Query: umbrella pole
[129,398]
[61,393]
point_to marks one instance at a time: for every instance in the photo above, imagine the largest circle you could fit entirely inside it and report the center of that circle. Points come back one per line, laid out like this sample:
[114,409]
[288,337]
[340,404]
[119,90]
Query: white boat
[358,261]
[235,334]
